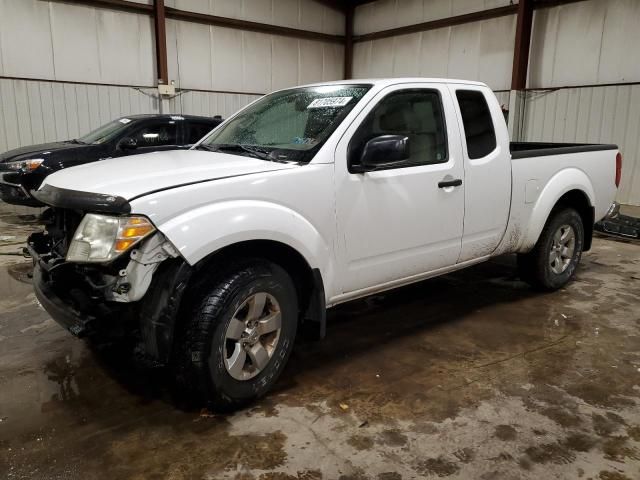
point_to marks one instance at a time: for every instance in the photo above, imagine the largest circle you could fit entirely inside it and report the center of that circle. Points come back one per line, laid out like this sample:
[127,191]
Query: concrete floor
[468,376]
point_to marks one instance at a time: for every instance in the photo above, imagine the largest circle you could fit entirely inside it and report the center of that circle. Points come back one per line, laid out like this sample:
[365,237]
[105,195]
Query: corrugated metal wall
[41,111]
[591,115]
[63,42]
[386,14]
[591,42]
[474,51]
[303,14]
[209,103]
[215,58]
[33,111]
[583,43]
[59,41]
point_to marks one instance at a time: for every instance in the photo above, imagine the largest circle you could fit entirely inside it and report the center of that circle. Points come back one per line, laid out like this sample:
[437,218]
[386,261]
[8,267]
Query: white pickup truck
[312,196]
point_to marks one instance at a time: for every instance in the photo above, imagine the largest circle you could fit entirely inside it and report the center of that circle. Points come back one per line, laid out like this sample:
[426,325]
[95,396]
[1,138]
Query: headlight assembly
[27,165]
[101,238]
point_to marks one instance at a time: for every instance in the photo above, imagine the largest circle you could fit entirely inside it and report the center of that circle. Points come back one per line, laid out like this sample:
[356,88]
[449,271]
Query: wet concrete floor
[468,376]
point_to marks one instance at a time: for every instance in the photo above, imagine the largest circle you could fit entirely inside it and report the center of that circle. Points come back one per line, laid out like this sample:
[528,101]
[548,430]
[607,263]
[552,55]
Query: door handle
[450,183]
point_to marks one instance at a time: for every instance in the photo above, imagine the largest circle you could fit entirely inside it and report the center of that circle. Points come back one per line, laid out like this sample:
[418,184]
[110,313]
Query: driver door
[401,222]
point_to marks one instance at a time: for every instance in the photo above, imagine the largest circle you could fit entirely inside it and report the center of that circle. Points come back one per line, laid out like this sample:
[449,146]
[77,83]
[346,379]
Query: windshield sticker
[302,141]
[176,117]
[329,102]
[125,120]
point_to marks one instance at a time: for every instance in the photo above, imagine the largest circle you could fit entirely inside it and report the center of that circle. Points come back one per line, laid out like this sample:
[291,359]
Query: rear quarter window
[479,131]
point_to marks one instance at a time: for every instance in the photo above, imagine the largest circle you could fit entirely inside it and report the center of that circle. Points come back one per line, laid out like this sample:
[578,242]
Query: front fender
[209,228]
[562,182]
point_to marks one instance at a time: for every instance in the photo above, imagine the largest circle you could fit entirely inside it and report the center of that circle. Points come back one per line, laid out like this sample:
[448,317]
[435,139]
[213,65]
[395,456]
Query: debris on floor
[619,225]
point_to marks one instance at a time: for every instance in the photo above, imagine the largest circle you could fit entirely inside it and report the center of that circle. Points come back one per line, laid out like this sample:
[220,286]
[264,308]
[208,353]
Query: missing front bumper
[68,294]
[77,323]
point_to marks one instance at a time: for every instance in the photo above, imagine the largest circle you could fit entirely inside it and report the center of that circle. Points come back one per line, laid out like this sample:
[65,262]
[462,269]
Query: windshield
[106,132]
[290,125]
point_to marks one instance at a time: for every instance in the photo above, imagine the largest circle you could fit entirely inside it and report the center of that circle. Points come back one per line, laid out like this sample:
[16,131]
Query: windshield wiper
[236,147]
[269,156]
[76,141]
[207,147]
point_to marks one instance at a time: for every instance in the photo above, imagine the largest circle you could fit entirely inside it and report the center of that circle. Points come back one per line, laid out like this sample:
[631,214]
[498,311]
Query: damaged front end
[133,293]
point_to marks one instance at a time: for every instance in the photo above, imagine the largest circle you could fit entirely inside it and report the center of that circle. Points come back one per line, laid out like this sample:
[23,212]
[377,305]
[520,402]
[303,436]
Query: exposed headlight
[100,238]
[27,165]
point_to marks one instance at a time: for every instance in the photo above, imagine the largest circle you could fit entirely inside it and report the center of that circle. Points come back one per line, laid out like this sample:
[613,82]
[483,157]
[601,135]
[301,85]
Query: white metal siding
[216,58]
[209,103]
[585,43]
[34,112]
[475,51]
[503,98]
[591,115]
[57,41]
[387,14]
[74,43]
[303,14]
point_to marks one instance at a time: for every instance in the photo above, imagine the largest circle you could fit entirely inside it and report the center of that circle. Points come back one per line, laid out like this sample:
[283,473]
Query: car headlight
[28,165]
[101,238]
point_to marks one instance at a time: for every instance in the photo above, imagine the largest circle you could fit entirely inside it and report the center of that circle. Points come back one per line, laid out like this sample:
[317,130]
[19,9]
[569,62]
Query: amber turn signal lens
[122,245]
[132,231]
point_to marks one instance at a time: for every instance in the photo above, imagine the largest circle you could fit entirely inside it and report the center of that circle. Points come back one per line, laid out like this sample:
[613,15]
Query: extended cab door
[402,221]
[487,164]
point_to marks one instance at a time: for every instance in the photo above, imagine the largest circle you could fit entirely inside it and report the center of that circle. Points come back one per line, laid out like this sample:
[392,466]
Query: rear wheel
[239,334]
[553,260]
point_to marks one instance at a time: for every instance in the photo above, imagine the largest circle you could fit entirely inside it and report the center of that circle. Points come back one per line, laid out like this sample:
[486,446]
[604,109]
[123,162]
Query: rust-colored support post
[522,44]
[348,42]
[161,41]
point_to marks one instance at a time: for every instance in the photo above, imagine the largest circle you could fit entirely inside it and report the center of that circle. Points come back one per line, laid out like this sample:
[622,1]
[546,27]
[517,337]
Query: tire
[554,259]
[208,363]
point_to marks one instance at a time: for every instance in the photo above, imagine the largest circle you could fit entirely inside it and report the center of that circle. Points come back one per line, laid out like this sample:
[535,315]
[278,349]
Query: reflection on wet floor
[472,375]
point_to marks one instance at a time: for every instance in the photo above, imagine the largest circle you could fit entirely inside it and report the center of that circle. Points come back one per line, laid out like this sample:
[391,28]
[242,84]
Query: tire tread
[204,308]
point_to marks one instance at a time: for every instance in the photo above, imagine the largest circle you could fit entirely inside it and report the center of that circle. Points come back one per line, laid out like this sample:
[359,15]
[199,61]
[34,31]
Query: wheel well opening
[307,281]
[578,200]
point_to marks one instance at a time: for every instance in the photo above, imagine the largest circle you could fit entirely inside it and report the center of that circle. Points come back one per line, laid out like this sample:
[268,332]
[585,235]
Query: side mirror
[128,143]
[382,152]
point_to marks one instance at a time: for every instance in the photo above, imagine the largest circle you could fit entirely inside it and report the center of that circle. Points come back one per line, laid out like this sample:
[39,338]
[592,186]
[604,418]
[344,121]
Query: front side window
[478,126]
[289,125]
[416,114]
[156,135]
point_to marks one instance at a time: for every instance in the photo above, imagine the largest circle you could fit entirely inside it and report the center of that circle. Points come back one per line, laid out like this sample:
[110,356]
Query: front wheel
[239,334]
[553,260]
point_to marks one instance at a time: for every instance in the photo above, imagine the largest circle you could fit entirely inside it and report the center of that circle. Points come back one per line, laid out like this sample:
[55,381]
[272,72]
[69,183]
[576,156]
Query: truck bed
[541,149]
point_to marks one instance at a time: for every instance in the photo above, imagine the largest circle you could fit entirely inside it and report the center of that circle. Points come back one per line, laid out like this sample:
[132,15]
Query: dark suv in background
[23,169]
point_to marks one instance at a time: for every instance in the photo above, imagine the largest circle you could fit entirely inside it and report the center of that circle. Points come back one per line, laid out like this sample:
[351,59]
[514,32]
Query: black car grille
[61,224]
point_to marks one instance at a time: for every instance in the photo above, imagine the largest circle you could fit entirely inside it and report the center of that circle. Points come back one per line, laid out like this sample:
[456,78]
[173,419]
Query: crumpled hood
[136,175]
